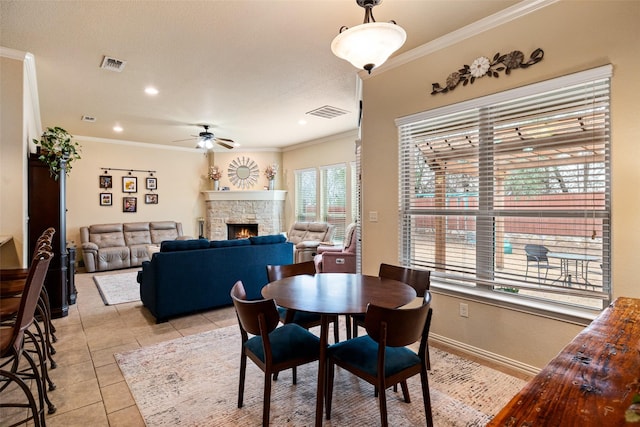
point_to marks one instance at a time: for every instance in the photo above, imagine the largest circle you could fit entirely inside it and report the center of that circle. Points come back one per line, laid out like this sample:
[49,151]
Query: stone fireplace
[261,209]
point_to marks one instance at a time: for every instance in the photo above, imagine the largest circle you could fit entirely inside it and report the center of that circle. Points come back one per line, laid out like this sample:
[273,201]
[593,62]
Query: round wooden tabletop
[338,293]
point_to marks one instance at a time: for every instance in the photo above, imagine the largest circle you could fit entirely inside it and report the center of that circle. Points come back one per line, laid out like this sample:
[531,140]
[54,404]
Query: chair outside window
[272,349]
[381,357]
[537,255]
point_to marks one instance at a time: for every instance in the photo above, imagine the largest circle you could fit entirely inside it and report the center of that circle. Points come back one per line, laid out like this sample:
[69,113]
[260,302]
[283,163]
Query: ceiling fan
[206,140]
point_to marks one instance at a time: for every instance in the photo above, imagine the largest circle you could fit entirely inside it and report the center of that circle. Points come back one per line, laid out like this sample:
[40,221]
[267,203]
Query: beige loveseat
[113,246]
[306,237]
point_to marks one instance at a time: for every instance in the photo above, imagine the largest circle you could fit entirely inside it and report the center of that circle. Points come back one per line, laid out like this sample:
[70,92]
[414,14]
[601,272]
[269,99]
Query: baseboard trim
[485,355]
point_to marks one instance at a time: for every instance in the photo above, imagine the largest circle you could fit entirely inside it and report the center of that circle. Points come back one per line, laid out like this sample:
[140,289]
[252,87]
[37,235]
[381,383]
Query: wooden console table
[591,382]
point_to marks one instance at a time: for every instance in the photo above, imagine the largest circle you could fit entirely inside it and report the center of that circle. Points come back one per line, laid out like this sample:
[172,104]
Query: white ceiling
[250,69]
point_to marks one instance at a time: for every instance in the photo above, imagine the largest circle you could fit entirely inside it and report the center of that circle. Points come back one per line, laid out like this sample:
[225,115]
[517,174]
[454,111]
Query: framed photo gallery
[129,187]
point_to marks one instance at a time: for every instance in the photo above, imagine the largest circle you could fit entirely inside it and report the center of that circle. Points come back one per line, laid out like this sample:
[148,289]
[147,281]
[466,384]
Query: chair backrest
[251,314]
[536,252]
[417,279]
[277,272]
[29,299]
[396,327]
[350,235]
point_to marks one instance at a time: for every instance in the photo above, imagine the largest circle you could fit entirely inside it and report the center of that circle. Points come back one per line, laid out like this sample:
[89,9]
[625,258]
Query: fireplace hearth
[241,231]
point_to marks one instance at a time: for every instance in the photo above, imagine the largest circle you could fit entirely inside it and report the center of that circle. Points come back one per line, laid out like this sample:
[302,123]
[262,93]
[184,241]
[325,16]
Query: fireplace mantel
[267,195]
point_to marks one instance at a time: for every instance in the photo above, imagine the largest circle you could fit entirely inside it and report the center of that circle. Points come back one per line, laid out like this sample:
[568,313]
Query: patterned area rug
[118,288]
[193,381]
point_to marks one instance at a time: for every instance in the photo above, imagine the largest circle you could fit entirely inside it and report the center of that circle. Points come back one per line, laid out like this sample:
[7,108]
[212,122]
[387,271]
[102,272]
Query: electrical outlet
[464,310]
[373,216]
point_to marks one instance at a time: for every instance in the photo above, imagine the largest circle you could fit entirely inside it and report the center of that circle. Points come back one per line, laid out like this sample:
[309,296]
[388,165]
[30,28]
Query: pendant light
[369,44]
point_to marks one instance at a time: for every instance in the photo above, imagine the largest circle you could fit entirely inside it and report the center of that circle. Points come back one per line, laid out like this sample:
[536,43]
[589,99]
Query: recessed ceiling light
[302,122]
[117,128]
[150,90]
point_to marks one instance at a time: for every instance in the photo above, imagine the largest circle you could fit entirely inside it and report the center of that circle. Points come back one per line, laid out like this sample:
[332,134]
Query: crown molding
[516,11]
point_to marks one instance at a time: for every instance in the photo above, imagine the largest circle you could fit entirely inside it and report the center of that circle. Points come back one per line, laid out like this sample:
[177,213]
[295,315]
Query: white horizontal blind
[306,196]
[334,198]
[480,182]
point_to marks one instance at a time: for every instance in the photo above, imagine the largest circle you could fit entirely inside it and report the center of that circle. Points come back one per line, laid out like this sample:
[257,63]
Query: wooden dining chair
[381,357]
[16,364]
[417,279]
[272,348]
[304,319]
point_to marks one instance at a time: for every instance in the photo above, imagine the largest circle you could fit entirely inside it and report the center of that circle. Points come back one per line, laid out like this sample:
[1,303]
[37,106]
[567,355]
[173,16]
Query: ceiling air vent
[327,112]
[88,119]
[113,64]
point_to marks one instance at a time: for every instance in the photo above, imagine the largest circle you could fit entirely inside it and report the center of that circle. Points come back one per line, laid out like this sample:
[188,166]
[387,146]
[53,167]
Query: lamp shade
[368,45]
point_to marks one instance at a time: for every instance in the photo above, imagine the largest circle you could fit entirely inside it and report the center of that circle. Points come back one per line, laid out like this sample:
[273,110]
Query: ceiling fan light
[369,45]
[208,144]
[200,143]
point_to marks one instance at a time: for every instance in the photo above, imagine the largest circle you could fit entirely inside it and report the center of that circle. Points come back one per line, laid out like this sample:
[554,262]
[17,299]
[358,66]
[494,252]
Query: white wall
[575,36]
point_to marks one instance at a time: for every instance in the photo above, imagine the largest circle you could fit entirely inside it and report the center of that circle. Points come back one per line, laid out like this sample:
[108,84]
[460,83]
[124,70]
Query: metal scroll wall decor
[483,66]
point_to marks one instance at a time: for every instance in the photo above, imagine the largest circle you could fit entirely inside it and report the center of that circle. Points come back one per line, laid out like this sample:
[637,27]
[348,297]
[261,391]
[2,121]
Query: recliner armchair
[338,259]
[307,236]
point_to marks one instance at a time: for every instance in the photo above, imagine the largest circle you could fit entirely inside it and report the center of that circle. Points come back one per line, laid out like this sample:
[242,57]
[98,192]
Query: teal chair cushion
[362,352]
[288,342]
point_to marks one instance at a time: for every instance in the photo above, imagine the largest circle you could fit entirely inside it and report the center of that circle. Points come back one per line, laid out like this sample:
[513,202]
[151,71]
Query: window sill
[573,315]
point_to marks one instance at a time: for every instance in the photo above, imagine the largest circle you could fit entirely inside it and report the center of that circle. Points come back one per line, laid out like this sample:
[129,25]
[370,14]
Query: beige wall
[12,162]
[262,159]
[575,36]
[181,175]
[329,151]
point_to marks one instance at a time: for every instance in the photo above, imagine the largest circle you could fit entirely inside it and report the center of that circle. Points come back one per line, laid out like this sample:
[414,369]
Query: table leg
[322,369]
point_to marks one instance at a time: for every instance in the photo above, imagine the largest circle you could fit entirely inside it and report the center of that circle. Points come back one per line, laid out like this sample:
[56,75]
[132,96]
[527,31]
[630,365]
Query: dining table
[330,294]
[581,267]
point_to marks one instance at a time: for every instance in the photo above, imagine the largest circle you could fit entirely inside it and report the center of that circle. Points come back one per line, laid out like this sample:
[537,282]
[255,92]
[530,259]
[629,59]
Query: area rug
[118,288]
[193,381]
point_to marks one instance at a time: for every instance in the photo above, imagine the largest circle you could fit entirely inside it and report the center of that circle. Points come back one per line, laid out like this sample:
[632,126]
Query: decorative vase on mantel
[216,185]
[271,184]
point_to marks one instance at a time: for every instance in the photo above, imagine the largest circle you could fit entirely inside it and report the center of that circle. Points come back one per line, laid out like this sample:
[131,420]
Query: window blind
[511,192]
[334,198]
[305,190]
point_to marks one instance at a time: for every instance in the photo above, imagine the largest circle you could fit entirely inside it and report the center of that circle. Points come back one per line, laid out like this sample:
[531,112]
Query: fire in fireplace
[241,231]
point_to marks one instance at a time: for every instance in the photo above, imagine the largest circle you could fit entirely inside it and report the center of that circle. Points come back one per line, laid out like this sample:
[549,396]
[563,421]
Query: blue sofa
[194,275]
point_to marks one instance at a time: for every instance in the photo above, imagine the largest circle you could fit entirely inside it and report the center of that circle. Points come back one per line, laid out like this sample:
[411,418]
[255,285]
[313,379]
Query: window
[306,194]
[511,194]
[334,198]
[332,193]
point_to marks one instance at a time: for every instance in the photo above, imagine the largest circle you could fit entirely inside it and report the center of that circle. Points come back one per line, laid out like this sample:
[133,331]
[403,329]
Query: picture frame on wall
[129,184]
[151,199]
[152,183]
[129,204]
[106,199]
[106,181]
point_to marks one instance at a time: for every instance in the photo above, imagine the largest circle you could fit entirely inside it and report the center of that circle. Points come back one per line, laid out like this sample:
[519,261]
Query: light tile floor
[90,387]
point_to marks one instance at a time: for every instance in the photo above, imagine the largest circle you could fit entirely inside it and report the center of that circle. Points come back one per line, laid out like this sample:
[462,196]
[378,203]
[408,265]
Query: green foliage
[57,144]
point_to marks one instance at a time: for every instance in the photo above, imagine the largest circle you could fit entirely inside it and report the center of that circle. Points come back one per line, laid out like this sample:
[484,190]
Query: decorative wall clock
[243,172]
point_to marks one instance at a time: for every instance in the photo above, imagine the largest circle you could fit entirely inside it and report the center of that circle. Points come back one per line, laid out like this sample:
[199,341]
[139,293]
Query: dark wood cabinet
[47,208]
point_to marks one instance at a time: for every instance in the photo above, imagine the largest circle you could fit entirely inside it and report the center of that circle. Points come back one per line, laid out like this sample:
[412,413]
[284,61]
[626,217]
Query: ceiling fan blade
[224,144]
[183,140]
[225,140]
